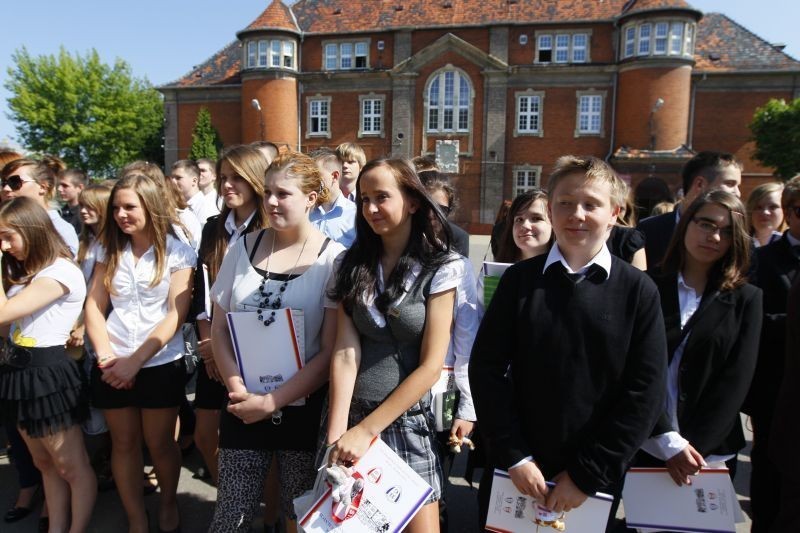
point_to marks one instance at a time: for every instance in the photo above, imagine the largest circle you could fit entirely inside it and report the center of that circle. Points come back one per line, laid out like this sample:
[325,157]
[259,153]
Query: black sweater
[587,370]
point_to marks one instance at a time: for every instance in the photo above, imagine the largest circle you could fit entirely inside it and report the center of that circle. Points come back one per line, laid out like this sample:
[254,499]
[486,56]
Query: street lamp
[257,106]
[658,105]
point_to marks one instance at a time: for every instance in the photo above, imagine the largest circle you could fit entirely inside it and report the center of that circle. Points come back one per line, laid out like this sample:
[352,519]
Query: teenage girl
[285,266]
[41,388]
[396,291]
[144,273]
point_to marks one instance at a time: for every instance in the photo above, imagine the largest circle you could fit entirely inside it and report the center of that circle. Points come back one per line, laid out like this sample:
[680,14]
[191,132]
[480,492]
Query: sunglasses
[14,182]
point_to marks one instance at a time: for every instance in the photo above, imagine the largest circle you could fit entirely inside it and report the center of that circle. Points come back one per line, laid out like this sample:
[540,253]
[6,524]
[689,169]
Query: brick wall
[225,116]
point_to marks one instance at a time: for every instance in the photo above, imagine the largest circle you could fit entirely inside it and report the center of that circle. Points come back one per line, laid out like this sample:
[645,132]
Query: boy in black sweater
[568,368]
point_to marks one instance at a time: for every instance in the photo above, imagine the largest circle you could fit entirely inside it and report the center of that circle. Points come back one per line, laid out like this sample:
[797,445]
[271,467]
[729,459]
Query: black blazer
[658,232]
[460,241]
[717,364]
[775,272]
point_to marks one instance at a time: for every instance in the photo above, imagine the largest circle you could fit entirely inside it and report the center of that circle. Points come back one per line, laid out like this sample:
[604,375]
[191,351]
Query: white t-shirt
[193,226]
[51,325]
[236,289]
[137,307]
[89,260]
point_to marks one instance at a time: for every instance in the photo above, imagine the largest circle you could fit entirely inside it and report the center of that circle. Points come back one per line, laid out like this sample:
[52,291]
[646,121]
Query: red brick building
[496,90]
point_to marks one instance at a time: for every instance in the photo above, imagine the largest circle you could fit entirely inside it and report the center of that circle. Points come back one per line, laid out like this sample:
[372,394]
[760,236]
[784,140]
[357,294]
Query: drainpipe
[299,96]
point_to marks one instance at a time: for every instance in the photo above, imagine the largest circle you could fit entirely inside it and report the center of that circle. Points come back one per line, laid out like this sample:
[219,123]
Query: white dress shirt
[66,230]
[200,207]
[137,307]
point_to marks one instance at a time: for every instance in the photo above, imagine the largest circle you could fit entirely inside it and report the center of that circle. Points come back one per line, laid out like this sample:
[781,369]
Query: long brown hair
[249,164]
[730,271]
[43,244]
[507,250]
[94,197]
[159,226]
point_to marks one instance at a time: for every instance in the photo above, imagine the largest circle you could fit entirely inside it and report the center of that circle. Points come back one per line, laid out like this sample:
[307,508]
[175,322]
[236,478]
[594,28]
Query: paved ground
[197,497]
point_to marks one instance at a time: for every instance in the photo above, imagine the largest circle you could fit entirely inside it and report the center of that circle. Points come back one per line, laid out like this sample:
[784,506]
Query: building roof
[220,69]
[723,45]
[277,16]
[642,6]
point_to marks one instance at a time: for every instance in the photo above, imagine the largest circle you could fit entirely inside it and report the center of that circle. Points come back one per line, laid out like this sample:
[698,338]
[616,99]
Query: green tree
[205,138]
[776,130]
[93,115]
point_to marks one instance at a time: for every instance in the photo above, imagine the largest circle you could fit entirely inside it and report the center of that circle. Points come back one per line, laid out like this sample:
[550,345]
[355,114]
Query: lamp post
[658,105]
[257,106]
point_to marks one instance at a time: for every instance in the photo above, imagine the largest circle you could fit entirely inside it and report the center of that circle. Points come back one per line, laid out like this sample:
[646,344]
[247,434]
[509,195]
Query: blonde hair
[94,197]
[758,194]
[158,226]
[352,152]
[593,169]
[303,169]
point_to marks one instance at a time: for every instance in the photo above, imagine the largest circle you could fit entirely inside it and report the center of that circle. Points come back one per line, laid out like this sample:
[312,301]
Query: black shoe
[15,514]
[176,530]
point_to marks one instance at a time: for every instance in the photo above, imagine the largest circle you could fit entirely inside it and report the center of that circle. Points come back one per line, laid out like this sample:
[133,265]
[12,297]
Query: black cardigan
[587,371]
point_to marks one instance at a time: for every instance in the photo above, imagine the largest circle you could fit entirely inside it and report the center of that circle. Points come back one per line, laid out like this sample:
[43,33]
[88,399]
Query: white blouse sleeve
[449,275]
[66,274]
[223,286]
[180,255]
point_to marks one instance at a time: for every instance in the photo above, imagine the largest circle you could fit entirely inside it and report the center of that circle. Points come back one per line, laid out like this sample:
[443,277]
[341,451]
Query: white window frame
[590,96]
[676,38]
[644,48]
[523,100]
[629,48]
[288,53]
[576,48]
[345,55]
[661,38]
[548,41]
[319,102]
[372,98]
[456,106]
[530,174]
[251,54]
[688,39]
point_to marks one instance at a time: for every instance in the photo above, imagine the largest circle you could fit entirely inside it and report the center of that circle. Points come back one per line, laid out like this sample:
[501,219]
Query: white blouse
[137,307]
[236,289]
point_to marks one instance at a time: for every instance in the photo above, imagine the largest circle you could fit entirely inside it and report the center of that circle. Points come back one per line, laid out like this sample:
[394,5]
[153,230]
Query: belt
[24,357]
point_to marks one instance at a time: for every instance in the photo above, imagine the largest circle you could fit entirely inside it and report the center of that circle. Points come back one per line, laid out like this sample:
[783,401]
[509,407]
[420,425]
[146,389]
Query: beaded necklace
[267,302]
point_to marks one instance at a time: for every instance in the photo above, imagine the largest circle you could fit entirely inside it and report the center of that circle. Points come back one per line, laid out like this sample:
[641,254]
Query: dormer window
[270,53]
[658,38]
[562,47]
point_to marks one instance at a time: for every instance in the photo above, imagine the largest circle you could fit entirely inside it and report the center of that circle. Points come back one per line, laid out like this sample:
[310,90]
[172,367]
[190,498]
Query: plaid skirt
[412,437]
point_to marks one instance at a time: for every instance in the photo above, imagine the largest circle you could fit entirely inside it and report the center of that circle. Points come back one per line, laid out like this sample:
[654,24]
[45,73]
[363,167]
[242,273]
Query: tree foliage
[776,130]
[94,116]
[205,139]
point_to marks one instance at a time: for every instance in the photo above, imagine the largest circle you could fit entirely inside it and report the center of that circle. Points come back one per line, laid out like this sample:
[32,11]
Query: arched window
[449,101]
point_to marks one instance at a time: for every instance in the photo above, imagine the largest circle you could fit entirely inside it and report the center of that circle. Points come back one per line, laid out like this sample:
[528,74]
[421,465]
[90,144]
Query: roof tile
[276,16]
[220,69]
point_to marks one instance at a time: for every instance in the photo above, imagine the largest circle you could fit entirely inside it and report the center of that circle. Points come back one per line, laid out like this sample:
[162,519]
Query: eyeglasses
[14,182]
[709,228]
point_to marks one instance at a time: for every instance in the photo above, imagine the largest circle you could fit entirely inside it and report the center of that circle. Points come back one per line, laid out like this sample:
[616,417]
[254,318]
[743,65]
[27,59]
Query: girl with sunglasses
[713,322]
[144,273]
[41,389]
[37,181]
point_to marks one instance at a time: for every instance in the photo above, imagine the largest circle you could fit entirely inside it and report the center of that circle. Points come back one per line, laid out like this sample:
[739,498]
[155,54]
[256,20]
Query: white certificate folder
[268,356]
[653,502]
[510,511]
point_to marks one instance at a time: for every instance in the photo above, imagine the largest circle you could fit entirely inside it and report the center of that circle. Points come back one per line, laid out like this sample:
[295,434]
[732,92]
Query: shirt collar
[601,259]
[791,239]
[230,223]
[339,202]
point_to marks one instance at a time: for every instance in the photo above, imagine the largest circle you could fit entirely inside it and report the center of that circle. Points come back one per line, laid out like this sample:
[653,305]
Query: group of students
[581,365]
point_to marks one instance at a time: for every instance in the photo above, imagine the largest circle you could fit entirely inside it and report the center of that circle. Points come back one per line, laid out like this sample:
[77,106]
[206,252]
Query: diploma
[512,511]
[268,356]
[654,502]
[389,495]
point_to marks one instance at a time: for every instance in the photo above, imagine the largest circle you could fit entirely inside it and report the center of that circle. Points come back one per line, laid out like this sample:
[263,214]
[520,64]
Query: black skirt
[49,395]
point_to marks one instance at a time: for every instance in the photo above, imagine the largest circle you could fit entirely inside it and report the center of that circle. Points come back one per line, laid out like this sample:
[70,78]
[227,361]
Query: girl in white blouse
[41,388]
[145,274]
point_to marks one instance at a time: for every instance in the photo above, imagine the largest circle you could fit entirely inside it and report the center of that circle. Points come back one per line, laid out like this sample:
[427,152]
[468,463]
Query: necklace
[267,301]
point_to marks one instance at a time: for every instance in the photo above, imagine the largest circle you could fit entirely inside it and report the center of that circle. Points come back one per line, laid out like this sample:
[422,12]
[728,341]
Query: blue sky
[163,39]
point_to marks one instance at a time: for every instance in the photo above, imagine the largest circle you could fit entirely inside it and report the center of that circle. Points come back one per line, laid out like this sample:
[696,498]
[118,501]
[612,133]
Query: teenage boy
[70,184]
[704,172]
[353,160]
[185,174]
[568,367]
[336,217]
[777,267]
[208,182]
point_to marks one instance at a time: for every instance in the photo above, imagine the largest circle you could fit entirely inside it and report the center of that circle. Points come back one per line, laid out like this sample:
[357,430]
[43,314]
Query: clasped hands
[118,372]
[250,407]
[563,497]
